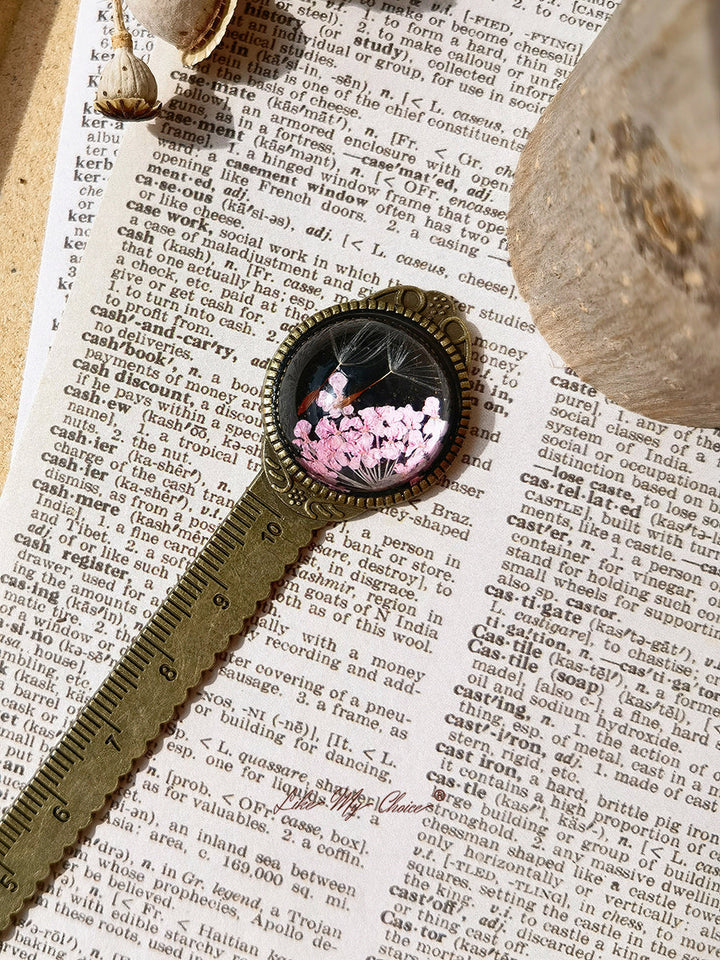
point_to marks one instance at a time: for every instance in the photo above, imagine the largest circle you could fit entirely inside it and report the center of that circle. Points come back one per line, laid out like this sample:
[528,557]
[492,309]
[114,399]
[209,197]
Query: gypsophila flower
[369,447]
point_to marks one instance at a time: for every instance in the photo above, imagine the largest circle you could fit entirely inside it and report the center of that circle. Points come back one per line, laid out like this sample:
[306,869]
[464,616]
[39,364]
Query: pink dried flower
[372,446]
[337,381]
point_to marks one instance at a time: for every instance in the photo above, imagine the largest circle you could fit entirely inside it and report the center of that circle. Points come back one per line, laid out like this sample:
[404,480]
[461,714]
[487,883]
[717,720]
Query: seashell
[127,89]
[195,27]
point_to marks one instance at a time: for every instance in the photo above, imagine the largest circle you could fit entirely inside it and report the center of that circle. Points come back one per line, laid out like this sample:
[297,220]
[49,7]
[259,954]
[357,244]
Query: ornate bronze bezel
[440,322]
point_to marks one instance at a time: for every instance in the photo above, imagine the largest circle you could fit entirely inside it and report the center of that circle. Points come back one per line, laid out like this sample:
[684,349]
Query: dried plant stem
[121,37]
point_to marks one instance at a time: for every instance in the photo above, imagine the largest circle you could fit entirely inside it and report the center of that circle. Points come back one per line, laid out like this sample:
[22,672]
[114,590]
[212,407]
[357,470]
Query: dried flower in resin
[366,409]
[195,27]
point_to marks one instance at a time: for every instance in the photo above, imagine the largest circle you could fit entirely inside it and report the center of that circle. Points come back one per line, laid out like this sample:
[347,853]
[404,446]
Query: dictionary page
[88,143]
[484,724]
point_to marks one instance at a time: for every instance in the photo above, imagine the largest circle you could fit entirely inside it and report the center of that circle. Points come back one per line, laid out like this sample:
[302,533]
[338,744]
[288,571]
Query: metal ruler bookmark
[365,405]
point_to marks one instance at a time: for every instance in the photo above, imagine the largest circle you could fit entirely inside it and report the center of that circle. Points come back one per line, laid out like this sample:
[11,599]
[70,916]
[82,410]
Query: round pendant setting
[367,402]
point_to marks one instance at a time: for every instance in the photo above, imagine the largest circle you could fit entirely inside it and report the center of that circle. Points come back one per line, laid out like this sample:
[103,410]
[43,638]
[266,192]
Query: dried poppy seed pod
[195,27]
[127,89]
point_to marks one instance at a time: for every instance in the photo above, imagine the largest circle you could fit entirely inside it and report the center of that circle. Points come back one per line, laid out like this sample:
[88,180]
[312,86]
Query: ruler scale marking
[232,525]
[245,518]
[17,812]
[168,615]
[153,631]
[76,734]
[197,581]
[227,539]
[210,575]
[30,799]
[94,707]
[188,590]
[42,772]
[129,671]
[10,835]
[107,697]
[13,817]
[138,657]
[230,546]
[203,560]
[222,554]
[24,808]
[89,724]
[49,777]
[216,556]
[264,506]
[164,614]
[106,721]
[128,667]
[115,683]
[12,829]
[148,648]
[174,601]
[68,753]
[149,640]
[53,761]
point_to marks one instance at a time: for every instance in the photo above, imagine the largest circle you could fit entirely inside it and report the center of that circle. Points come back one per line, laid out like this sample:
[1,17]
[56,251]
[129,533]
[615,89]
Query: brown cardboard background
[35,45]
